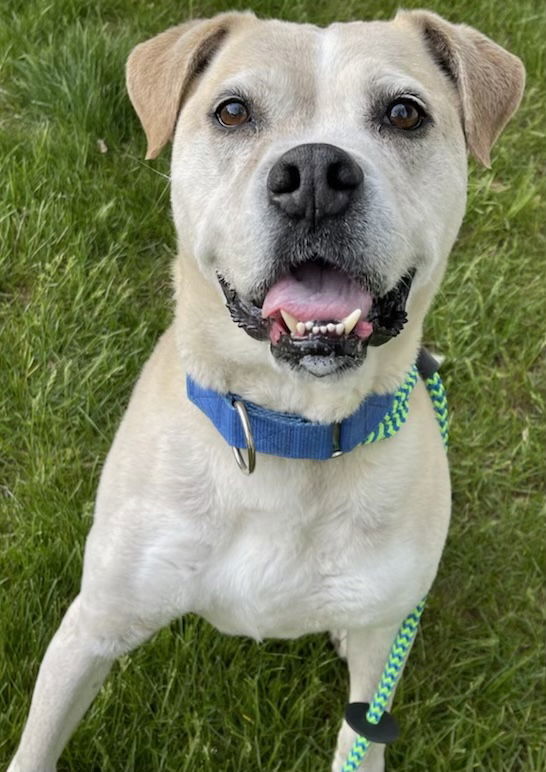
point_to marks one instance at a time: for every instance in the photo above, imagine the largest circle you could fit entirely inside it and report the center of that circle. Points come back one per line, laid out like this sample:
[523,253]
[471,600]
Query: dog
[318,185]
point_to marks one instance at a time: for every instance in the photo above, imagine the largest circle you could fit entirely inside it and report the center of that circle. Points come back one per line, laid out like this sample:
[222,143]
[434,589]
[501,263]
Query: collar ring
[336,447]
[248,466]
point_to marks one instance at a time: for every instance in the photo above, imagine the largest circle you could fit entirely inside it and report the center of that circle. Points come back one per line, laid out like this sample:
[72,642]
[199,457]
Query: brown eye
[232,113]
[405,114]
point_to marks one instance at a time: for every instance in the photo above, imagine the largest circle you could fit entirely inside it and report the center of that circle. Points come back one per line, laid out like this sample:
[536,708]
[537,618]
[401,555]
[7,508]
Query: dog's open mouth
[320,319]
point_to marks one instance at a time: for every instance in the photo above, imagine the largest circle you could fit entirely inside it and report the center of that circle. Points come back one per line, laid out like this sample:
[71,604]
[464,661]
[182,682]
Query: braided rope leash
[376,711]
[398,414]
[437,392]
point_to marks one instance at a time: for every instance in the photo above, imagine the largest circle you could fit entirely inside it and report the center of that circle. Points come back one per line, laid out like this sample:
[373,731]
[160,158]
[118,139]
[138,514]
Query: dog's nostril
[342,175]
[284,178]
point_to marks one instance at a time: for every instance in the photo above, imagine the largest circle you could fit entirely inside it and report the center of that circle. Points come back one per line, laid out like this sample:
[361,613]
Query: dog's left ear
[489,79]
[161,71]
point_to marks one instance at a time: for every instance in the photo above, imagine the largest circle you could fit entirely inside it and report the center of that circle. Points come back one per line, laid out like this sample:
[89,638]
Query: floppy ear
[161,70]
[489,79]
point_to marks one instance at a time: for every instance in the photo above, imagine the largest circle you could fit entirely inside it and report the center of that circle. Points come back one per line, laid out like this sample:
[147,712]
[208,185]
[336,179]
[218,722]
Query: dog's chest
[303,561]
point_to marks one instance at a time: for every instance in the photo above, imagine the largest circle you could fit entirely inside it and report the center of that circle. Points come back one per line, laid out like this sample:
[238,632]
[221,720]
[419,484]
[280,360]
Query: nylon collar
[291,436]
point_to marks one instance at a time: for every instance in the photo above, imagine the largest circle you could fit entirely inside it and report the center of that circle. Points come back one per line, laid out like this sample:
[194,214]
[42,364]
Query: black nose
[315,181]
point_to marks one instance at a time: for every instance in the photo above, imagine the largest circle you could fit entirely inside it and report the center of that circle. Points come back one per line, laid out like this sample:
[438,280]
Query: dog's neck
[221,356]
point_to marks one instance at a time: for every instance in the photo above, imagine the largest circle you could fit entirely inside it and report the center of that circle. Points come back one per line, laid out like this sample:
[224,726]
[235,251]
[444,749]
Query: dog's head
[318,175]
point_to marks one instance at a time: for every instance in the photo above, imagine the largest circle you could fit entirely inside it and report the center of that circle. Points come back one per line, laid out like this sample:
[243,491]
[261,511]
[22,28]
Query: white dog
[318,185]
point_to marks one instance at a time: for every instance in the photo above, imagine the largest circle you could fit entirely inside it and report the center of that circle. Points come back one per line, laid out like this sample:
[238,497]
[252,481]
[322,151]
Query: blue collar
[291,436]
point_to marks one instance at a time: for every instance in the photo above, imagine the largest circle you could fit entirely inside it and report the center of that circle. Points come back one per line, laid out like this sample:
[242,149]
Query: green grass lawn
[85,246]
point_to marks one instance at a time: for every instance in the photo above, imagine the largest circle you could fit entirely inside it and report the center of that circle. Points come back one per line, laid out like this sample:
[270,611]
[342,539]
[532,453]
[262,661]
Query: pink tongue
[312,293]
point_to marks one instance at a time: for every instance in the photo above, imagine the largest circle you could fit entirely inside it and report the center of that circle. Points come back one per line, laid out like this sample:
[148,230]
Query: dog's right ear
[160,72]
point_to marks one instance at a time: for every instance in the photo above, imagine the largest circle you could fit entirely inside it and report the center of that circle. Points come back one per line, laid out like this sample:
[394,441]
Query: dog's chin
[319,320]
[320,355]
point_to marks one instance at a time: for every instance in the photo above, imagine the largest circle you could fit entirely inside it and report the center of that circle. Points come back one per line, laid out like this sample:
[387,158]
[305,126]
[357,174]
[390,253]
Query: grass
[85,246]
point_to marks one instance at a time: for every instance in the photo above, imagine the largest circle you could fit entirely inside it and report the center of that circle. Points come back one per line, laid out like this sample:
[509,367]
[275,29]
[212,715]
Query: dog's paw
[339,642]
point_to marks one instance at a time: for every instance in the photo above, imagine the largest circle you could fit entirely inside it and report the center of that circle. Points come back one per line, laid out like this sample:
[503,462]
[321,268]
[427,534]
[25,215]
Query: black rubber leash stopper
[385,732]
[427,365]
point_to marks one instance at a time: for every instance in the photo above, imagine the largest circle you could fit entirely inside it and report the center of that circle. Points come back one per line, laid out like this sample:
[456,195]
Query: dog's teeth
[351,320]
[308,326]
[316,330]
[324,329]
[300,328]
[331,327]
[289,320]
[340,328]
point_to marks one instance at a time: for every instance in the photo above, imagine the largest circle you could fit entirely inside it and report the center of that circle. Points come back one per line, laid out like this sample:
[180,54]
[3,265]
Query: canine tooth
[340,328]
[289,320]
[323,329]
[316,330]
[331,327]
[300,328]
[351,320]
[309,326]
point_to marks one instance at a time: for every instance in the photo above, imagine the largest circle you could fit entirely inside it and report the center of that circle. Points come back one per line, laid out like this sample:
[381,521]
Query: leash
[371,721]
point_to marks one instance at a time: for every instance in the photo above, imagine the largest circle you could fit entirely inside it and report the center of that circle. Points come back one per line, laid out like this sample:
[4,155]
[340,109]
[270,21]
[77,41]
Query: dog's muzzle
[317,309]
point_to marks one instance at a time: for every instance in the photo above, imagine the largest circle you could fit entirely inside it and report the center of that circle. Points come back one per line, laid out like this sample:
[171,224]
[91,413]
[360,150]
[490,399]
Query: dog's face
[319,175]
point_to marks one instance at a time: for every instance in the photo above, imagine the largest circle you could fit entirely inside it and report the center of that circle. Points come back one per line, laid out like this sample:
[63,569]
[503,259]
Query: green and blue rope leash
[376,712]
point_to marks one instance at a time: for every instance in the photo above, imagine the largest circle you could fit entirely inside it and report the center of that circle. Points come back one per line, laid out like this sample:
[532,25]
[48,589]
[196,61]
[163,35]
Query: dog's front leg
[75,665]
[367,651]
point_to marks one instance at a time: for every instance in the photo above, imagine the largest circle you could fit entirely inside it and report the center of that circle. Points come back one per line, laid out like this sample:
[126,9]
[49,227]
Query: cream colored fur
[349,544]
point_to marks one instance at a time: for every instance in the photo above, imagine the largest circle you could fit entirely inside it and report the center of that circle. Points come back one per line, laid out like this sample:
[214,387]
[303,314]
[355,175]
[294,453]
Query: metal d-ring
[336,435]
[248,466]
